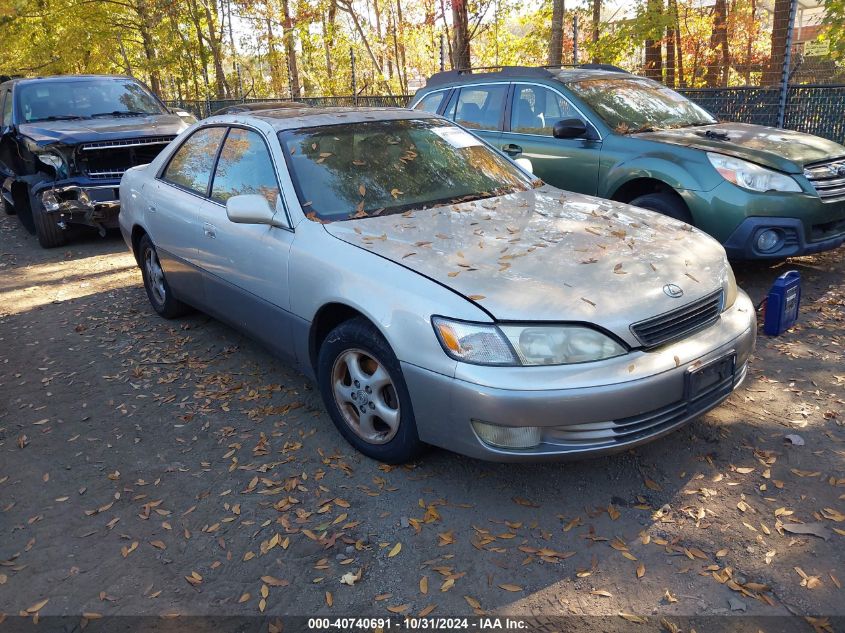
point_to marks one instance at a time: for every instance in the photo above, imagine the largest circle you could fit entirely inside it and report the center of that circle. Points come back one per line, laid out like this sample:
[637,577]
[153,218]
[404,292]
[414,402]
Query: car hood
[549,255]
[102,129]
[784,150]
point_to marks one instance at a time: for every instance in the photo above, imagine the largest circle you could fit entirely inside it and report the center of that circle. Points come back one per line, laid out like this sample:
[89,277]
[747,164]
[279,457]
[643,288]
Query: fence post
[575,39]
[442,52]
[354,83]
[787,63]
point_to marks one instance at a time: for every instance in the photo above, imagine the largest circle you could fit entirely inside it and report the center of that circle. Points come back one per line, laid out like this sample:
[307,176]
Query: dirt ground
[173,467]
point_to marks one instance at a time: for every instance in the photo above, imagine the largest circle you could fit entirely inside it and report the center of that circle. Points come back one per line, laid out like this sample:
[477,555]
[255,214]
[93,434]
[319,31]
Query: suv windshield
[634,104]
[372,168]
[84,98]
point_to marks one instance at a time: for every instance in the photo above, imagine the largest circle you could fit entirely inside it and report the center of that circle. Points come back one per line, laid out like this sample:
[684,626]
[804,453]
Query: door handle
[209,230]
[511,149]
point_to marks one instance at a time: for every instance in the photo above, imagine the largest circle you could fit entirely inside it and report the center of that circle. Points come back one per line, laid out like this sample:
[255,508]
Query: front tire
[365,393]
[155,283]
[669,204]
[8,209]
[47,230]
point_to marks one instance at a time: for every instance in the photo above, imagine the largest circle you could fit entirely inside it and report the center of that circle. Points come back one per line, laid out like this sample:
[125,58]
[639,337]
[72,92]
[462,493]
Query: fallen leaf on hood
[38,606]
[424,585]
[640,570]
[350,578]
[477,297]
[329,598]
[604,593]
[508,587]
[399,608]
[632,618]
[396,549]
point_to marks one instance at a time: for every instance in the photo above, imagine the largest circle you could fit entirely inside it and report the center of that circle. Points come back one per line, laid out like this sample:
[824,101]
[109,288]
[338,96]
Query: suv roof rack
[543,72]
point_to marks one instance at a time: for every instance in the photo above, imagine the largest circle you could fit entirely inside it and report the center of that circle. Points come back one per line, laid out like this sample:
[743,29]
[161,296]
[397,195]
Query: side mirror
[570,128]
[525,164]
[250,209]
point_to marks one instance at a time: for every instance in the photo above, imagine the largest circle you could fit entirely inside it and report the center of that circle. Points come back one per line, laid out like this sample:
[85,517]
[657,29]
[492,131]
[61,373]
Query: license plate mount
[701,380]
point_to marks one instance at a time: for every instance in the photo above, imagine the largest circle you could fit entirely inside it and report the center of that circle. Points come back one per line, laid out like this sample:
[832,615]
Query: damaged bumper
[80,201]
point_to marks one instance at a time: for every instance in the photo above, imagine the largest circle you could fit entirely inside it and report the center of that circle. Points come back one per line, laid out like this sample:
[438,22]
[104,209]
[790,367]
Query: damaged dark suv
[66,141]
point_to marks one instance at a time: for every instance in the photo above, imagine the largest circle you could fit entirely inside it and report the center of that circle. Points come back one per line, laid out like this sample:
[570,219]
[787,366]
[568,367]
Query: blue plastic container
[782,304]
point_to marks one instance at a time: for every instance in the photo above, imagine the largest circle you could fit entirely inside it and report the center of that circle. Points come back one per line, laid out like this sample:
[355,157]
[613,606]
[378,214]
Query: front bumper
[642,396]
[792,241]
[80,201]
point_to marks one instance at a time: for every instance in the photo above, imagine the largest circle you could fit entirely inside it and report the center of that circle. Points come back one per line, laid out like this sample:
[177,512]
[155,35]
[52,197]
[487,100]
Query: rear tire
[155,283]
[46,228]
[669,204]
[365,393]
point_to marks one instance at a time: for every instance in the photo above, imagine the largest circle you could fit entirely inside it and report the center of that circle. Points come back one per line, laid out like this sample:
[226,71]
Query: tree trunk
[678,46]
[328,36]
[195,19]
[717,70]
[290,50]
[146,23]
[653,45]
[400,58]
[595,28]
[214,43]
[461,57]
[780,26]
[752,34]
[556,43]
[275,80]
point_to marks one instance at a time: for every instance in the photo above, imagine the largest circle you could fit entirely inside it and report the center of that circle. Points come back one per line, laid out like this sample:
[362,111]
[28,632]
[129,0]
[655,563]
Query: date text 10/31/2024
[425,623]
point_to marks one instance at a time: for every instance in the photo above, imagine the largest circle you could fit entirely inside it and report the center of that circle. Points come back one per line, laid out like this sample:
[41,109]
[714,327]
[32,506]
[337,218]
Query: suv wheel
[365,393]
[155,283]
[47,230]
[669,204]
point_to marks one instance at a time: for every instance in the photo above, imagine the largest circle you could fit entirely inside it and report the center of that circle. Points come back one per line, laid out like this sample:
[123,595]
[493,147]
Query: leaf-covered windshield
[360,169]
[634,104]
[85,99]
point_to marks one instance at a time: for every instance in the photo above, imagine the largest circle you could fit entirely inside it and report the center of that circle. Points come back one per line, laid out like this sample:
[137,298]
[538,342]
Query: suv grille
[110,159]
[828,180]
[678,323]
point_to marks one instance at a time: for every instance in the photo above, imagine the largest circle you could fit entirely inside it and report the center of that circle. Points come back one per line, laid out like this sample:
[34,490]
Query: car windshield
[84,99]
[634,104]
[360,169]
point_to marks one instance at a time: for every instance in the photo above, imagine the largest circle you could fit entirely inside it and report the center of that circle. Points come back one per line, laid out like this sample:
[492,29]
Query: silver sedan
[437,292]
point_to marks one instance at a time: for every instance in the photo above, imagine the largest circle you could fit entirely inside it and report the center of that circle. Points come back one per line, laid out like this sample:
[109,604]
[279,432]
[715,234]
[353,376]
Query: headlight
[751,176]
[730,289]
[55,161]
[524,344]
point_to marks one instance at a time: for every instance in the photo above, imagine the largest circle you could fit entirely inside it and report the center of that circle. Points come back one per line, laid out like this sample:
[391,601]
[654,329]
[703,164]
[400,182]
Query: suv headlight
[53,160]
[487,344]
[751,176]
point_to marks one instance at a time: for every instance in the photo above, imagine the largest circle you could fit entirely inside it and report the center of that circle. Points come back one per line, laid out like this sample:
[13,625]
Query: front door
[572,163]
[480,109]
[246,265]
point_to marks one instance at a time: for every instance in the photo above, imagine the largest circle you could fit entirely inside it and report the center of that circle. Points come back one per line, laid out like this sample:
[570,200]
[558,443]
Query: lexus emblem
[673,290]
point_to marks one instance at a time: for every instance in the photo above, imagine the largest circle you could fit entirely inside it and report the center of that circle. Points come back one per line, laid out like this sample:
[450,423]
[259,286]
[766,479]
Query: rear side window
[244,167]
[480,107]
[431,102]
[191,165]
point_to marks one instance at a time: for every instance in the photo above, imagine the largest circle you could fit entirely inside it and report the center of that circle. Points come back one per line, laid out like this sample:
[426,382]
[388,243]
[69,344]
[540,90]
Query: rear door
[246,265]
[571,163]
[173,202]
[480,108]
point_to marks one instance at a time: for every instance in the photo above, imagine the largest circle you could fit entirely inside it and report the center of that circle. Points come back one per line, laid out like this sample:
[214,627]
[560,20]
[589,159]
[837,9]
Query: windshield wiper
[120,113]
[57,117]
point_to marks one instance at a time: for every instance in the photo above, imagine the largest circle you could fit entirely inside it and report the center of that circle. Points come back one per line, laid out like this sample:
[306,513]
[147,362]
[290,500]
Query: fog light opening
[507,436]
[768,240]
[50,201]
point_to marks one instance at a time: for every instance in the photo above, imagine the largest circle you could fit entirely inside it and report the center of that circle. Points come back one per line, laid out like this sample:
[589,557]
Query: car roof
[512,73]
[292,118]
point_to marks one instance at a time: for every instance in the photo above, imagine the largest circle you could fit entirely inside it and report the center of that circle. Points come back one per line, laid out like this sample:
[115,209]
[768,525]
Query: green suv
[765,193]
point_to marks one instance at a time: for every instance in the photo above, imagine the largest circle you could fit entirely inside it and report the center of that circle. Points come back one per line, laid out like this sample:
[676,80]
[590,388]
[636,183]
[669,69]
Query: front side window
[191,165]
[536,110]
[635,104]
[431,102]
[480,107]
[244,167]
[357,170]
[85,99]
[6,118]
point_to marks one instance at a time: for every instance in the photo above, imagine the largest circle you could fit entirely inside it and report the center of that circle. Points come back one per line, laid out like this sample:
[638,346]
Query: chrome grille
[127,142]
[108,160]
[680,322]
[828,179]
